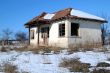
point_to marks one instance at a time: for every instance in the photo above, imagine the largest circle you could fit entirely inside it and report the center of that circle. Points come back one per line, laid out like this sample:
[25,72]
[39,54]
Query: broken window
[45,32]
[32,34]
[74,29]
[61,30]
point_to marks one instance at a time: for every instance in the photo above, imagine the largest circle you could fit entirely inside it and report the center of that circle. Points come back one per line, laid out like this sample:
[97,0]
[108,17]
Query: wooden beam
[38,35]
[29,34]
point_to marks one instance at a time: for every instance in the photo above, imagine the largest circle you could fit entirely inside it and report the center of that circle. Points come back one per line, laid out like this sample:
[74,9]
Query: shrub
[3,49]
[103,49]
[100,71]
[103,64]
[108,59]
[56,49]
[73,49]
[74,65]
[9,68]
[24,72]
[46,49]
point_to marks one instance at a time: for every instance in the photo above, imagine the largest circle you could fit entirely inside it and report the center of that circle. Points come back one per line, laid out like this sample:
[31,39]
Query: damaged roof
[62,14]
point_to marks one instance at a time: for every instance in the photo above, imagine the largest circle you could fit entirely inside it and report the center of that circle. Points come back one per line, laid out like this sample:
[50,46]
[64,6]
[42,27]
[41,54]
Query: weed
[9,68]
[75,66]
[100,71]
[103,64]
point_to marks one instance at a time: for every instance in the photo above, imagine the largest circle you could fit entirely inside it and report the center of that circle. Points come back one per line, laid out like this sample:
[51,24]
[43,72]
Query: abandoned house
[64,28]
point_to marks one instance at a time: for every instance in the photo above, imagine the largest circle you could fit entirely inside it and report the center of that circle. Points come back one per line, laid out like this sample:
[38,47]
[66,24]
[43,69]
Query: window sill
[61,37]
[31,39]
[75,36]
[70,37]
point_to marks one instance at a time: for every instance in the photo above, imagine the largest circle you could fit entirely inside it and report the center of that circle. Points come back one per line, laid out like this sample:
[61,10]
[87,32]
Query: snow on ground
[38,63]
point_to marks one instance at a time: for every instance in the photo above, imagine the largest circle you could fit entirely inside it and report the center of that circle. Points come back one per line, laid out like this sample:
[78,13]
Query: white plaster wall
[34,41]
[54,39]
[88,31]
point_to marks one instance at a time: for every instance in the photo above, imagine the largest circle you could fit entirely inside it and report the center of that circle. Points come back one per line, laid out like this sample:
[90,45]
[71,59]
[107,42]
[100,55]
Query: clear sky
[15,13]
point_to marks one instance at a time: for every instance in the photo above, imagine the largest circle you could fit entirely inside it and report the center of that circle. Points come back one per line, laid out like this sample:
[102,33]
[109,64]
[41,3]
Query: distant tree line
[7,35]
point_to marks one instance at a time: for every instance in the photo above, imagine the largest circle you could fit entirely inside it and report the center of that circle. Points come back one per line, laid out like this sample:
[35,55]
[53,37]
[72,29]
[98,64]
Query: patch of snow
[92,57]
[38,63]
[82,14]
[48,16]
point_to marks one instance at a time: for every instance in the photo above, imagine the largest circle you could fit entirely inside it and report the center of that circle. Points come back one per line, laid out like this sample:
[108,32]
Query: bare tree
[6,35]
[21,36]
[104,27]
[0,39]
[0,36]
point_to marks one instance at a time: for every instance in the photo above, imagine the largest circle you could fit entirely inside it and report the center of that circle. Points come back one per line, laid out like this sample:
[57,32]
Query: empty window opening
[74,29]
[45,32]
[62,30]
[32,34]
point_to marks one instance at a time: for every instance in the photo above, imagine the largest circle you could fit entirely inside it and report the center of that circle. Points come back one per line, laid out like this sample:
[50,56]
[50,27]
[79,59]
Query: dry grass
[72,48]
[103,49]
[37,49]
[24,72]
[56,49]
[87,46]
[74,65]
[9,68]
[108,59]
[100,71]
[103,64]
[25,48]
[3,49]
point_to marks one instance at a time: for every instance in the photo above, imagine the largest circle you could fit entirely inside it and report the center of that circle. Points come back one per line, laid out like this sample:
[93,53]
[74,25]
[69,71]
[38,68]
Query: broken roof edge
[63,18]
[83,14]
[62,14]
[75,17]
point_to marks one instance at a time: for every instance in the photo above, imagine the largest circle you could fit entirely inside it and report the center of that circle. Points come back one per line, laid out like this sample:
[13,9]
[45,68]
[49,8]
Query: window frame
[77,27]
[62,30]
[32,34]
[44,29]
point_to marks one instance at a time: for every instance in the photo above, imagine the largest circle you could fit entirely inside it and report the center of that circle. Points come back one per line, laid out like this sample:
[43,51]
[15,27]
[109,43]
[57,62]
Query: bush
[73,49]
[108,59]
[46,50]
[3,49]
[100,71]
[103,64]
[9,68]
[56,49]
[75,66]
[24,72]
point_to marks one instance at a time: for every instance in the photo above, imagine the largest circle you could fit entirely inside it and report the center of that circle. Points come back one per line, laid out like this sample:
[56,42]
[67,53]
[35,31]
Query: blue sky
[15,13]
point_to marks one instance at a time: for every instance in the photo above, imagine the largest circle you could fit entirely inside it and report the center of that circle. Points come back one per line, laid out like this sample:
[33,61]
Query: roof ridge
[67,13]
[63,10]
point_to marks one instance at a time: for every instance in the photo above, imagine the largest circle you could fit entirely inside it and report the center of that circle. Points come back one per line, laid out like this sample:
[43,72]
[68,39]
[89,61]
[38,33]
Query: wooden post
[38,36]
[29,34]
